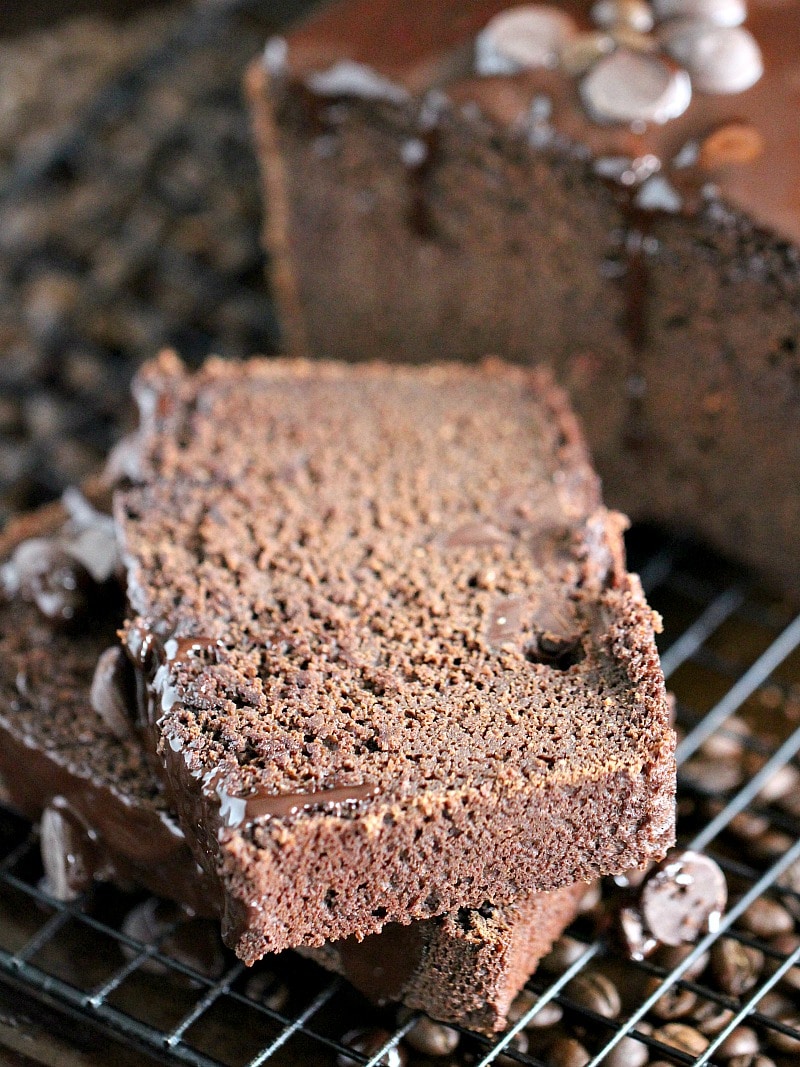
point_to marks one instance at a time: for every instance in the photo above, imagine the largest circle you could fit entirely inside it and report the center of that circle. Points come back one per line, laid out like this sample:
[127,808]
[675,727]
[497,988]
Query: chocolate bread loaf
[392,660]
[69,755]
[616,198]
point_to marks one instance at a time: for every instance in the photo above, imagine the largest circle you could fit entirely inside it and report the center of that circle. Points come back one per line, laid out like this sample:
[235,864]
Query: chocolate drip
[243,811]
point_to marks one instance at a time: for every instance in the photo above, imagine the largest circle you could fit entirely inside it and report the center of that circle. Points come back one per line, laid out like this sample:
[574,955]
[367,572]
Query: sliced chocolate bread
[617,199]
[393,662]
[69,755]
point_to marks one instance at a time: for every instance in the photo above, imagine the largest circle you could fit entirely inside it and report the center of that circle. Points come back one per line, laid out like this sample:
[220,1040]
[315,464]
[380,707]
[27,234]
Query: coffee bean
[671,956]
[675,1002]
[785,943]
[432,1038]
[711,1018]
[770,846]
[566,951]
[716,12]
[727,742]
[67,851]
[567,1052]
[748,826]
[628,1053]
[767,918]
[782,1042]
[548,1015]
[591,898]
[595,992]
[519,1043]
[637,941]
[759,1060]
[42,572]
[683,897]
[733,142]
[368,1043]
[735,966]
[683,1037]
[712,776]
[265,987]
[773,1004]
[630,87]
[790,879]
[523,38]
[190,940]
[720,59]
[783,782]
[740,1042]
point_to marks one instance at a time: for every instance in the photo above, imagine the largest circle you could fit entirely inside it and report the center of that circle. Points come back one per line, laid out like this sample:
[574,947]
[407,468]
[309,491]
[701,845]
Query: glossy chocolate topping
[430,45]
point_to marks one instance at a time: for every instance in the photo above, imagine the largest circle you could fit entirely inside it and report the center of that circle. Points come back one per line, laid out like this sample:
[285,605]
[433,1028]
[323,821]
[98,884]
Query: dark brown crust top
[401,588]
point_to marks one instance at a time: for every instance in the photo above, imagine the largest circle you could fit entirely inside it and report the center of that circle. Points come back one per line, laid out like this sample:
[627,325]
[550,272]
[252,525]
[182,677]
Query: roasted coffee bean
[671,956]
[548,1015]
[628,1053]
[674,1003]
[368,1043]
[747,826]
[519,1043]
[683,897]
[740,1042]
[190,940]
[735,966]
[711,1018]
[785,781]
[771,846]
[264,986]
[595,992]
[683,1037]
[566,951]
[727,742]
[712,776]
[785,944]
[567,1052]
[790,879]
[783,1042]
[432,1038]
[759,1060]
[767,918]
[67,851]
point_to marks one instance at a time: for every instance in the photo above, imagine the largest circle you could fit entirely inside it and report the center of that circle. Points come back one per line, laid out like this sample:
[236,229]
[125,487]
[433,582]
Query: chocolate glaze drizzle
[236,812]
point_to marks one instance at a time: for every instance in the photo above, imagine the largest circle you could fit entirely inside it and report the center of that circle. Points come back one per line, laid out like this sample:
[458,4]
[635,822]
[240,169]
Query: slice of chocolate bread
[394,664]
[597,197]
[68,755]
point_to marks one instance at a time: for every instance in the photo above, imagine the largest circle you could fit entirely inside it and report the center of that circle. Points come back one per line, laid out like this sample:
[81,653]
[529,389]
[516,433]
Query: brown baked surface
[396,664]
[675,332]
[463,968]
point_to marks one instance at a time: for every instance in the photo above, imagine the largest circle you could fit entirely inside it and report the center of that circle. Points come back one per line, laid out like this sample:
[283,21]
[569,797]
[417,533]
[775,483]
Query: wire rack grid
[732,658]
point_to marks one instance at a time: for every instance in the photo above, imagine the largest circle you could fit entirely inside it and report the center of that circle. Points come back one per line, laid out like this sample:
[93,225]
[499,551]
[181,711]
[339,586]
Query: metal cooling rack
[727,650]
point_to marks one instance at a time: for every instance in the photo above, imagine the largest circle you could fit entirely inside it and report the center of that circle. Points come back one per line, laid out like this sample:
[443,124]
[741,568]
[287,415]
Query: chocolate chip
[716,12]
[113,690]
[720,59]
[683,897]
[42,572]
[67,851]
[432,1038]
[522,39]
[630,87]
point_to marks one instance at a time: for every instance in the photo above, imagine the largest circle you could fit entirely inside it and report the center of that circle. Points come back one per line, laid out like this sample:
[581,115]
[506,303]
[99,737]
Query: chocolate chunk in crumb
[113,692]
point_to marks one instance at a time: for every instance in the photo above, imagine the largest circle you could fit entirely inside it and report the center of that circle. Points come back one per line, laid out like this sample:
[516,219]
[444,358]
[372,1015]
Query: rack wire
[732,656]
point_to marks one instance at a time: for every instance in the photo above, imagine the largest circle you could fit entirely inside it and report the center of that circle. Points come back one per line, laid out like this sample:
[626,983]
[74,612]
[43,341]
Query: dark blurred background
[129,216]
